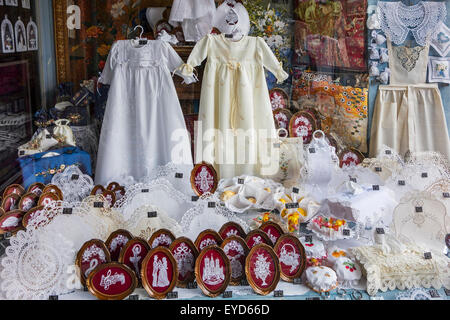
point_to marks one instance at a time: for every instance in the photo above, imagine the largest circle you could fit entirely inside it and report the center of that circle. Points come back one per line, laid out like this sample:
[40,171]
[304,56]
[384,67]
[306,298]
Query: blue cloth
[37,168]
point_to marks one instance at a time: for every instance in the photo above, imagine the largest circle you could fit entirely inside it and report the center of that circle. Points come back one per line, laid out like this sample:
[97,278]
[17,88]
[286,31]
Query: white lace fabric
[74,185]
[422,20]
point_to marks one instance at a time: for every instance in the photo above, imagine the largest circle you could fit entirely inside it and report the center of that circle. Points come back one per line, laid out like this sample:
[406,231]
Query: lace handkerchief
[439,70]
[441,40]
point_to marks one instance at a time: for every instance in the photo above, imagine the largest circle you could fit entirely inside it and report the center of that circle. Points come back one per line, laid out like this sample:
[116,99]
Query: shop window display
[207,149]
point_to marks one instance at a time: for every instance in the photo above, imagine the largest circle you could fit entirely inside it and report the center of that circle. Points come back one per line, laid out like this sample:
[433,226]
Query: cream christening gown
[234,100]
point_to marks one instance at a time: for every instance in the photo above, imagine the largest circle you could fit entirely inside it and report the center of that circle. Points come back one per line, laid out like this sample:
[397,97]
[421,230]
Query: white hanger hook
[142,30]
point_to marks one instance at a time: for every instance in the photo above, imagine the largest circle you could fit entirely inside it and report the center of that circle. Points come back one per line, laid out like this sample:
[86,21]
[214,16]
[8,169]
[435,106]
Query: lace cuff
[187,72]
[281,75]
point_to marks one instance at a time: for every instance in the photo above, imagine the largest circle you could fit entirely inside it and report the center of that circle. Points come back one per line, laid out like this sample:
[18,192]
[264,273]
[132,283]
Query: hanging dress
[234,102]
[409,114]
[143,126]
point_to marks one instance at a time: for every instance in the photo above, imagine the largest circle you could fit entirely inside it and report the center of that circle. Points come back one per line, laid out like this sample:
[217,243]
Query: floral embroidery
[408,56]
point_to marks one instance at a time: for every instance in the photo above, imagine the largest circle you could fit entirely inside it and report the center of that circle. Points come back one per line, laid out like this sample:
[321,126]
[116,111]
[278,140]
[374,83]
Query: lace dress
[143,125]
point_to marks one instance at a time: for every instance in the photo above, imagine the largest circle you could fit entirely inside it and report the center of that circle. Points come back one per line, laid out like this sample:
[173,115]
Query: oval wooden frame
[361,157]
[211,232]
[6,216]
[301,248]
[112,194]
[30,194]
[276,280]
[285,111]
[129,244]
[198,276]
[275,225]
[116,233]
[285,96]
[12,195]
[216,179]
[157,234]
[14,186]
[58,191]
[236,281]
[295,116]
[259,232]
[80,252]
[26,218]
[95,190]
[102,296]
[243,234]
[145,283]
[112,186]
[41,186]
[2,212]
[191,245]
[51,195]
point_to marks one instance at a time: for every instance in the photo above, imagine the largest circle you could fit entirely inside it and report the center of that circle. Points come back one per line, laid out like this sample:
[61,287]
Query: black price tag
[244,283]
[211,205]
[446,195]
[388,152]
[75,177]
[241,181]
[145,191]
[378,169]
[278,294]
[152,214]
[53,298]
[309,239]
[419,209]
[179,175]
[229,36]
[292,206]
[49,136]
[296,190]
[134,297]
[99,205]
[312,150]
[376,188]
[22,153]
[172,295]
[195,198]
[425,175]
[8,235]
[346,232]
[428,256]
[85,289]
[143,42]
[380,231]
[192,285]
[67,211]
[313,299]
[447,292]
[354,180]
[402,183]
[228,294]
[298,281]
[434,293]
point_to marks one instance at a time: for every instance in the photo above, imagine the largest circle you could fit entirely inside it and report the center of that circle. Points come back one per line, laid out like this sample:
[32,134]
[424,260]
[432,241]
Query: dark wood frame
[30,194]
[50,195]
[80,252]
[301,249]
[12,195]
[26,218]
[276,280]
[285,111]
[113,186]
[191,245]
[237,281]
[274,225]
[285,96]
[216,179]
[6,216]
[96,188]
[57,191]
[18,186]
[158,233]
[258,232]
[115,234]
[41,186]
[307,115]
[145,280]
[133,241]
[198,276]
[353,150]
[102,296]
[211,232]
[243,234]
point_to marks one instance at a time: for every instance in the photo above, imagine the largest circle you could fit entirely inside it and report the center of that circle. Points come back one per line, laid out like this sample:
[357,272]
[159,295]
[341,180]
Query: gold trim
[205,233]
[193,175]
[191,245]
[303,259]
[276,279]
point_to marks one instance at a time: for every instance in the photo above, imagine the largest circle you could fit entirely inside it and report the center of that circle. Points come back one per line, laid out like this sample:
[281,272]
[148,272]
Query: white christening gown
[143,127]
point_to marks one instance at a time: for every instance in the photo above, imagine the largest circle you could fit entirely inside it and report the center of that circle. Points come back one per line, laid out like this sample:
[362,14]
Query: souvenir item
[374,53]
[36,188]
[31,215]
[28,201]
[374,70]
[112,281]
[302,125]
[439,70]
[133,255]
[14,189]
[236,250]
[116,241]
[208,238]
[11,202]
[348,272]
[110,196]
[257,237]
[32,35]
[97,190]
[441,40]
[232,229]
[161,238]
[335,253]
[185,254]
[384,56]
[282,118]
[73,183]
[231,18]
[113,186]
[8,44]
[422,20]
[51,188]
[385,76]
[11,222]
[321,279]
[20,36]
[291,254]
[351,157]
[372,21]
[262,268]
[249,95]
[212,271]
[204,179]
[126,66]
[330,229]
[377,38]
[273,230]
[48,199]
[315,250]
[93,254]
[279,99]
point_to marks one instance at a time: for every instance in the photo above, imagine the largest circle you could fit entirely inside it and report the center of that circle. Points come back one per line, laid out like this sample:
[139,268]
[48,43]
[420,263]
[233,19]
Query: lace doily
[74,185]
[415,294]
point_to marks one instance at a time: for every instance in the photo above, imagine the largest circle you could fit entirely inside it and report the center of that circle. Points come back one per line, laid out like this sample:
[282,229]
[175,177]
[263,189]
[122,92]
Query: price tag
[402,183]
[75,177]
[428,256]
[241,181]
[134,297]
[152,214]
[22,153]
[354,180]
[434,293]
[346,232]
[313,299]
[388,152]
[425,175]
[228,294]
[244,283]
[277,145]
[298,281]
[312,150]
[447,292]
[292,206]
[419,209]
[446,195]
[229,35]
[172,295]
[376,188]
[142,42]
[380,231]
[99,205]
[53,298]
[48,136]
[85,289]
[378,169]
[296,190]
[278,294]
[145,191]
[195,198]
[211,205]
[192,285]
[179,175]
[309,239]
[67,211]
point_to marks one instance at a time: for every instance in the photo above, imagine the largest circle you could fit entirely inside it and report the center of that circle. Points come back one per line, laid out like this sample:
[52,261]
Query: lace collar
[422,20]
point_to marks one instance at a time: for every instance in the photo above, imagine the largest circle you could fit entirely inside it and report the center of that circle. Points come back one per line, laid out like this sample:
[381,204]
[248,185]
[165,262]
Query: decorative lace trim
[408,56]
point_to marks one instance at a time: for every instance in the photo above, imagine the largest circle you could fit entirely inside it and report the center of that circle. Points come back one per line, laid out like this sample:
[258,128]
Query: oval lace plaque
[232,229]
[91,255]
[282,118]
[159,273]
[113,186]
[291,255]
[54,189]
[133,254]
[28,202]
[236,250]
[262,269]
[36,188]
[14,189]
[116,241]
[11,222]
[204,179]
[112,281]
[47,198]
[32,215]
[302,125]
[11,202]
[161,238]
[185,254]
[110,196]
[212,271]
[351,157]
[98,189]
[273,230]
[256,237]
[208,238]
